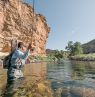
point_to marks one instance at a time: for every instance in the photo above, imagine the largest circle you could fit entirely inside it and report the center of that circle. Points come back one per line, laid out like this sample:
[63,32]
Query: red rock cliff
[16,21]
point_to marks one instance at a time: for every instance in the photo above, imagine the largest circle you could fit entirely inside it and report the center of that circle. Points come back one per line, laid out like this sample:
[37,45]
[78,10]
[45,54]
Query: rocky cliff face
[16,21]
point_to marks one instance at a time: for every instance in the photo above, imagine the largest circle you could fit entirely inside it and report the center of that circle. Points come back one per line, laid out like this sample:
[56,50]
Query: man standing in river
[14,73]
[17,62]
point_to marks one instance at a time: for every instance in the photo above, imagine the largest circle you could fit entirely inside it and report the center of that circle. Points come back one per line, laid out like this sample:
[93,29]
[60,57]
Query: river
[68,79]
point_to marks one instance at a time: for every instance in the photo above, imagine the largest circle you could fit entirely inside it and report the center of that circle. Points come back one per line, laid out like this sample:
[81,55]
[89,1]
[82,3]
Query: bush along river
[67,79]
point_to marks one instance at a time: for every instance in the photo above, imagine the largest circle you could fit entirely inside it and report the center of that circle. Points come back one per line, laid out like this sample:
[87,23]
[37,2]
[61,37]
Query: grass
[84,57]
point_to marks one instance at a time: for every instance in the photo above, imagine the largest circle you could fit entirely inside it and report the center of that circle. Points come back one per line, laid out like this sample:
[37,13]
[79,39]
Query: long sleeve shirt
[17,62]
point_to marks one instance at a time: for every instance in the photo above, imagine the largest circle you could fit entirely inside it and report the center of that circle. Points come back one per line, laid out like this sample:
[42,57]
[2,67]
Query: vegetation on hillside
[77,52]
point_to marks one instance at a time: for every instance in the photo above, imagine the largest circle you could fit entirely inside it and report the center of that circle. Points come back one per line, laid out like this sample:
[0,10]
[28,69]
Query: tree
[74,48]
[57,54]
[70,47]
[77,48]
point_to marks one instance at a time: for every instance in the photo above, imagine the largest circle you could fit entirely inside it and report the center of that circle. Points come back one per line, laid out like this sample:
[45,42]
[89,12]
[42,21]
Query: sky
[69,20]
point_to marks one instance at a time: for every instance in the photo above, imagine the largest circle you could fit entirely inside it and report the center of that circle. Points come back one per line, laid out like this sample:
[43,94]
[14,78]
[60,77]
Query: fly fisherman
[14,73]
[17,62]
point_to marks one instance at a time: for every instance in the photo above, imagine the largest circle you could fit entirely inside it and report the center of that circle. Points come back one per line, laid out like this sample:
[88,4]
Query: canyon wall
[18,22]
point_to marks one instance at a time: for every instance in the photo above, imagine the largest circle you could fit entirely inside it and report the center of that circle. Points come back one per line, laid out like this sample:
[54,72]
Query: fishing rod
[33,21]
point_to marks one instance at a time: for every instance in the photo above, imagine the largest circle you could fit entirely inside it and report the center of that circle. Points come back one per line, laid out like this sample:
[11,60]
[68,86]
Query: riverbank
[83,57]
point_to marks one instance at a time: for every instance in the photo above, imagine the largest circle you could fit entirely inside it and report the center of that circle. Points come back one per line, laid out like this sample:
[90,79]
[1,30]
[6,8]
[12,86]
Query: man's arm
[22,55]
[25,54]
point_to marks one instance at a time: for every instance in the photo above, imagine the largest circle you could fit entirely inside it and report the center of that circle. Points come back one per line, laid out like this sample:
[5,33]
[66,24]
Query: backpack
[7,61]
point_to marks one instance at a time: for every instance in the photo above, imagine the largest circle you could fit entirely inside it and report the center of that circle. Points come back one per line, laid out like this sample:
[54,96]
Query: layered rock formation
[17,21]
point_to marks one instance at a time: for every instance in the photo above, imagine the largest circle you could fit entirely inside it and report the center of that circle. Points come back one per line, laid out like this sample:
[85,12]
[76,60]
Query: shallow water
[72,79]
[68,79]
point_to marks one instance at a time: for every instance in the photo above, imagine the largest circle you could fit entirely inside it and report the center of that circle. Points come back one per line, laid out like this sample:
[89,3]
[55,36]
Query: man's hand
[29,46]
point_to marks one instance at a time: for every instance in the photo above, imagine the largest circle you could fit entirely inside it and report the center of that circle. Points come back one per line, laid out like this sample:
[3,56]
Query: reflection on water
[36,71]
[69,79]
[73,79]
